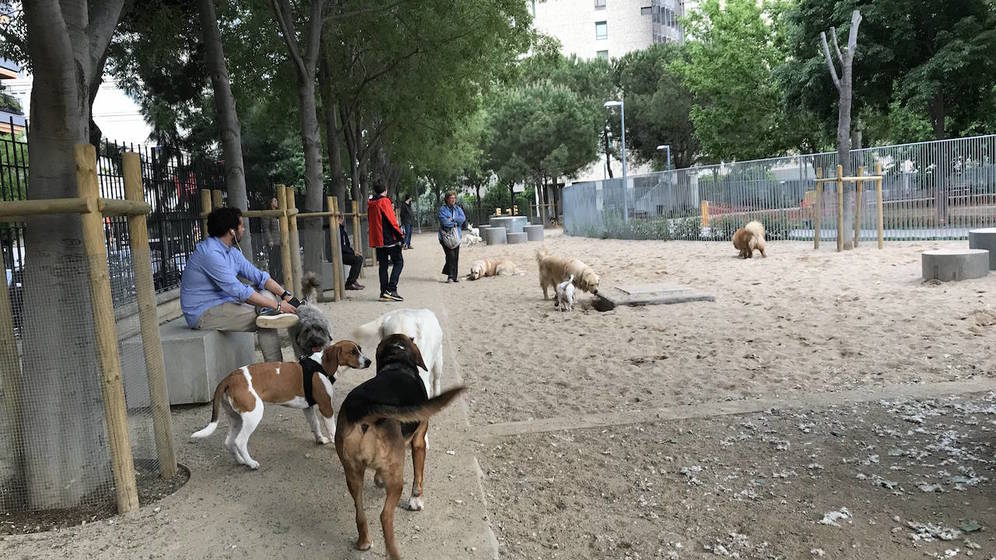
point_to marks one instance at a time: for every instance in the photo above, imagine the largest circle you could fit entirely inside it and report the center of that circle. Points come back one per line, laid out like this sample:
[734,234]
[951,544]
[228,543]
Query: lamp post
[668,148]
[622,125]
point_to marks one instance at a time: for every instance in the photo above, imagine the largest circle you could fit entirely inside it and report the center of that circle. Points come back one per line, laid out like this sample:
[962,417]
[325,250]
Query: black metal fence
[172,184]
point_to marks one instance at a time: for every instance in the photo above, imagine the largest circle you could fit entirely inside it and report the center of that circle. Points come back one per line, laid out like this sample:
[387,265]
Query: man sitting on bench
[212,297]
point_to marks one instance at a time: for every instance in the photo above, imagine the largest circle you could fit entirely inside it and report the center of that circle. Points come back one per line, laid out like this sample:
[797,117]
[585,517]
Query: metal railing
[931,190]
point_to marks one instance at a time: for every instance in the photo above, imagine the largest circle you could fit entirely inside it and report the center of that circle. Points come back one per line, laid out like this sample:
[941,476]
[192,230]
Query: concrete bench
[495,236]
[954,265]
[984,239]
[534,232]
[195,360]
[514,238]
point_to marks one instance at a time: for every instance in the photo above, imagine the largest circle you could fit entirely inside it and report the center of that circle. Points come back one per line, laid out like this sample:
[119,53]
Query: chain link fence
[930,190]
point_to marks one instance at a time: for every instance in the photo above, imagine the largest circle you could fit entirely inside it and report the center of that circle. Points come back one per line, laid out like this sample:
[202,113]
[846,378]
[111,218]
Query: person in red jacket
[385,238]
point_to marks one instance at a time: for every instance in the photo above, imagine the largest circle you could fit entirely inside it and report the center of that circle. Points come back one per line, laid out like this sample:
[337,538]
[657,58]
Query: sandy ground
[755,485]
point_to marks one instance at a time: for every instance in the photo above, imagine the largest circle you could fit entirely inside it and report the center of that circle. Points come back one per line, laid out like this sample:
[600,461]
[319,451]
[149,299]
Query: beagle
[306,384]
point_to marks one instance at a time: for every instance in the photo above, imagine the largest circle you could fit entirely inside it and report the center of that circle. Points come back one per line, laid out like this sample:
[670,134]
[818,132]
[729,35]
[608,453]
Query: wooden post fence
[205,210]
[857,205]
[840,207]
[112,387]
[878,201]
[818,208]
[336,242]
[149,320]
[295,242]
[285,252]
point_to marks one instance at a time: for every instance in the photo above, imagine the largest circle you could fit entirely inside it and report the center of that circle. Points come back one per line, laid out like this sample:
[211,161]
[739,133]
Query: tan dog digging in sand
[492,267]
[554,269]
[379,419]
[750,238]
[243,392]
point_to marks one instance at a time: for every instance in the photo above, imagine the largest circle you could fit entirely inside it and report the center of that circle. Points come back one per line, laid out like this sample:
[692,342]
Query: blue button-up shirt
[211,278]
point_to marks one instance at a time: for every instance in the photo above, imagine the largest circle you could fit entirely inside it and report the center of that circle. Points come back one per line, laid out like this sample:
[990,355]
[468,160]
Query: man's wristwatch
[286,294]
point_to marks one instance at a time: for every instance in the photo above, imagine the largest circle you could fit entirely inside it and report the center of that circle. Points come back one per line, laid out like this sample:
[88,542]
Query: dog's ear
[417,354]
[330,357]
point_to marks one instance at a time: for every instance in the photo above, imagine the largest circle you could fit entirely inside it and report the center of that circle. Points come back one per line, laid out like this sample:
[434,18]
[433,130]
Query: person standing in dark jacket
[407,221]
[385,238]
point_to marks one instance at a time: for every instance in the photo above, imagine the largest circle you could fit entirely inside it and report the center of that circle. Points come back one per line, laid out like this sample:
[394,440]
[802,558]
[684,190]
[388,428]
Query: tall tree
[659,105]
[304,48]
[226,115]
[729,69]
[66,42]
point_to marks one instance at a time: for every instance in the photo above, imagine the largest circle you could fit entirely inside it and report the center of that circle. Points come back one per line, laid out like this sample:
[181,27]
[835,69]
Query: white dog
[564,298]
[422,327]
[471,237]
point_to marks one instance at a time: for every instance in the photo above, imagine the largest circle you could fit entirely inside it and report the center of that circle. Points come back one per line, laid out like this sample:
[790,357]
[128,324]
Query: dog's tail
[415,413]
[369,331]
[310,284]
[540,253]
[215,403]
[756,228]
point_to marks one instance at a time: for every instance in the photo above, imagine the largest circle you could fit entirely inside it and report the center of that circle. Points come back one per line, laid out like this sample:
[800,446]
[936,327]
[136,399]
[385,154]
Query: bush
[687,228]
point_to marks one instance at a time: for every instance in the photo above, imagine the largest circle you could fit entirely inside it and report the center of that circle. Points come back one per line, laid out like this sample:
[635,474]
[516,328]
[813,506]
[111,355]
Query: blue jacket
[211,277]
[449,218]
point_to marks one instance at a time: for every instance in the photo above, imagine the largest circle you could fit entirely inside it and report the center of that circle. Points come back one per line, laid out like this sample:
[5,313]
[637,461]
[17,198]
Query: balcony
[8,69]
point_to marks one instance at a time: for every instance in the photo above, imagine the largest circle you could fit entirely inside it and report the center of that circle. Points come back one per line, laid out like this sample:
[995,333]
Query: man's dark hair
[221,220]
[380,187]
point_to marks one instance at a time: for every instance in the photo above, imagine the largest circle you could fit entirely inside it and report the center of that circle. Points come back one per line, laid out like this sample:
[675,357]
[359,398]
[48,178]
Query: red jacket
[384,228]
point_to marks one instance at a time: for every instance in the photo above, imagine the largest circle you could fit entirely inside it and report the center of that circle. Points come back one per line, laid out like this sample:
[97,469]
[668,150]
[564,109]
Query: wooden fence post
[859,190]
[217,199]
[336,242]
[818,208]
[878,202]
[295,244]
[840,207]
[206,209]
[112,388]
[285,249]
[146,294]
[10,375]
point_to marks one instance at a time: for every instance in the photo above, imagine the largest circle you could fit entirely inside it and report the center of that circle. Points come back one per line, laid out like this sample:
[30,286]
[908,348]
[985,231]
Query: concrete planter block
[534,232]
[953,265]
[512,224]
[514,238]
[984,239]
[495,236]
[195,362]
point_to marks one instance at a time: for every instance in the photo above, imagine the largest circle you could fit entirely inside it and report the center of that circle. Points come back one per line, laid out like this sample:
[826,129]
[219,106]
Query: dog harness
[310,367]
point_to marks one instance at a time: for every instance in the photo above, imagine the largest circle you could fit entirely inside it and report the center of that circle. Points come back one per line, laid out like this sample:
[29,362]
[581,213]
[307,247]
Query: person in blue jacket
[450,216]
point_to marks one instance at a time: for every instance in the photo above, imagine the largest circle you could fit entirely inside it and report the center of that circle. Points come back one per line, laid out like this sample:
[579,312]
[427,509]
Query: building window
[646,10]
[599,4]
[604,55]
[601,30]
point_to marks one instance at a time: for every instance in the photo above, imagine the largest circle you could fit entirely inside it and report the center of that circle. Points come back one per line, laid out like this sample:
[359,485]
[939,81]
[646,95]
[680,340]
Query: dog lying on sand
[492,267]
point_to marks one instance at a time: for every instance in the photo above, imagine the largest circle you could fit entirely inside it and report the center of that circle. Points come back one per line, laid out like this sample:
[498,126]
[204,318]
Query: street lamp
[668,148]
[622,125]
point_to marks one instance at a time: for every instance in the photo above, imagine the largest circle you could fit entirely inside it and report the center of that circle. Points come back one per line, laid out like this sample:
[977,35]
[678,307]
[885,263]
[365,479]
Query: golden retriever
[492,267]
[554,269]
[750,238]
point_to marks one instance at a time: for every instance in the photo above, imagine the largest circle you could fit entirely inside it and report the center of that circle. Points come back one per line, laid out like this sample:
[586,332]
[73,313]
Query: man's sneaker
[395,297]
[385,297]
[271,319]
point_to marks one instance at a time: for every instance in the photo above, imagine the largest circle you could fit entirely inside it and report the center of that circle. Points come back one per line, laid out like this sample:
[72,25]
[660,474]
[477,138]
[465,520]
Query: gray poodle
[313,332]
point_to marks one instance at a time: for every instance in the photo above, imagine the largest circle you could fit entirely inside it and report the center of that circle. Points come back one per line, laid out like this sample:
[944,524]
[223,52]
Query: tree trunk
[67,459]
[477,191]
[311,228]
[333,142]
[937,116]
[227,117]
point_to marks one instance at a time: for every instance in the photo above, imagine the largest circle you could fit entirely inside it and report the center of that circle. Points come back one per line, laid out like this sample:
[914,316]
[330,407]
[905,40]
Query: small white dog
[564,298]
[471,237]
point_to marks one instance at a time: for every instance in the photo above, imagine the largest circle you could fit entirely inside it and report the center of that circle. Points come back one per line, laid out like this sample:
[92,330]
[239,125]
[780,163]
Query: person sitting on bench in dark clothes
[350,259]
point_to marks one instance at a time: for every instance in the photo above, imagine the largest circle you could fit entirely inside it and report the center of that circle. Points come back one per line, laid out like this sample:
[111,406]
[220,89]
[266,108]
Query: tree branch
[852,38]
[314,39]
[104,17]
[826,53]
[282,10]
[836,47]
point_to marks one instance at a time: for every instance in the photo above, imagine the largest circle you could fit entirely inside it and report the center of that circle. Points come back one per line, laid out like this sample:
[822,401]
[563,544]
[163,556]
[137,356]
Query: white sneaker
[271,319]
